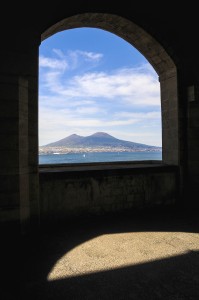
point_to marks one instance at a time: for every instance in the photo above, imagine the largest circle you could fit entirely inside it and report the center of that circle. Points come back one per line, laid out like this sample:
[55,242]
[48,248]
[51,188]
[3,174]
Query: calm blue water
[98,157]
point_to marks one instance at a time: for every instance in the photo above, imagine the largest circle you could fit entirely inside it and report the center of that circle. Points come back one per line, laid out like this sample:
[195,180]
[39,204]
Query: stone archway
[154,53]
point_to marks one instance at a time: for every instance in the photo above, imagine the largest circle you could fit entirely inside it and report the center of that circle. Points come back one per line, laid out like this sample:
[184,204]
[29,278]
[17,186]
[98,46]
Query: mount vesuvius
[99,140]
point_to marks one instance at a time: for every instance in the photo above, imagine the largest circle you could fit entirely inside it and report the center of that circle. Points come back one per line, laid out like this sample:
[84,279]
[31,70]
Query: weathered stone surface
[76,194]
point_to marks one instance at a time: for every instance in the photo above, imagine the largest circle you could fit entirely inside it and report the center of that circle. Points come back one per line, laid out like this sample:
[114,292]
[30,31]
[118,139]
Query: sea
[92,157]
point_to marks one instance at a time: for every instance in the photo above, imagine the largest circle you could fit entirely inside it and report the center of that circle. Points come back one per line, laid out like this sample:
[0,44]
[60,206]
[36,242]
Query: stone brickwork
[19,201]
[64,195]
[193,148]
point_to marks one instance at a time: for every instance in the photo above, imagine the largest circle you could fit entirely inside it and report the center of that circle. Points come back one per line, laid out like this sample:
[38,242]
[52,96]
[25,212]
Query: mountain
[98,139]
[72,140]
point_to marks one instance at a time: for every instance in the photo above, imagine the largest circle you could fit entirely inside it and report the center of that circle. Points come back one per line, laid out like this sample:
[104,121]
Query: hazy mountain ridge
[98,139]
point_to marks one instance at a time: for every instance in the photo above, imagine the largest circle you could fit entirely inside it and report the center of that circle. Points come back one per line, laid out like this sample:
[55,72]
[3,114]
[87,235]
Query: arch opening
[156,56]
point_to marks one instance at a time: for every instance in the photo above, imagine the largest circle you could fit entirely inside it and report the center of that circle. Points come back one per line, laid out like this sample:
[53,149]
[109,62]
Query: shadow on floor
[170,278]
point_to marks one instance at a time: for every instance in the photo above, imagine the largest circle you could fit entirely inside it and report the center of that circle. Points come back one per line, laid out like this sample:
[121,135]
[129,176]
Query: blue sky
[91,80]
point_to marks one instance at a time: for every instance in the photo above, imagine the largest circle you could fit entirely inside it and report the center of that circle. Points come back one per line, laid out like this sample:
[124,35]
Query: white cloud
[59,53]
[137,88]
[62,102]
[90,56]
[89,110]
[73,59]
[130,85]
[92,116]
[52,63]
[140,115]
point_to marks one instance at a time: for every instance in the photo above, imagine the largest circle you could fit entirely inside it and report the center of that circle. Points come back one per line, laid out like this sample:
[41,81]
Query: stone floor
[145,255]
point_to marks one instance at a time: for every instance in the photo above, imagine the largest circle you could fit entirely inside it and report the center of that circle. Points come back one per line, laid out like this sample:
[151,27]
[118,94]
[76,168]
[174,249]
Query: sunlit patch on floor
[112,251]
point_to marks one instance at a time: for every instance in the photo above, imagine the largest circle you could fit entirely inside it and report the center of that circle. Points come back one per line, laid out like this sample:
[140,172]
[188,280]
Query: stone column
[170,128]
[19,190]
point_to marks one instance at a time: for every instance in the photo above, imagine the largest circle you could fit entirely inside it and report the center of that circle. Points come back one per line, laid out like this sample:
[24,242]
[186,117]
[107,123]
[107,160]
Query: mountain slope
[98,139]
[72,140]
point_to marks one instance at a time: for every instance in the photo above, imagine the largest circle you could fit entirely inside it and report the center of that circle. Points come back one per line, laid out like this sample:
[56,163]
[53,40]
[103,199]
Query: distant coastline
[66,150]
[97,142]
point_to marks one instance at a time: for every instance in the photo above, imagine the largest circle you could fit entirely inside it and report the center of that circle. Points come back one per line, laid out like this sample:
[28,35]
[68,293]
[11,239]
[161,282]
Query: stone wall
[64,194]
[176,62]
[193,149]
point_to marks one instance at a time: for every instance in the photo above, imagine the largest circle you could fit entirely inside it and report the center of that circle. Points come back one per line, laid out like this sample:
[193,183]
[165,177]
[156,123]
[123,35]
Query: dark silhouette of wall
[163,35]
